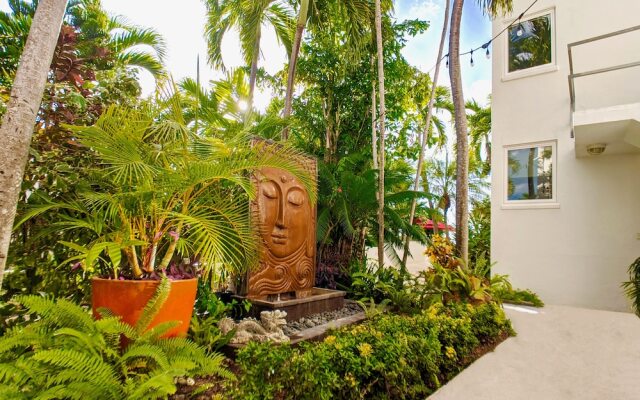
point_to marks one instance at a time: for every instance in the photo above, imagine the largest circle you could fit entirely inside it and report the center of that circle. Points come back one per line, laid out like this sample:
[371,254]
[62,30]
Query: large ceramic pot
[128,298]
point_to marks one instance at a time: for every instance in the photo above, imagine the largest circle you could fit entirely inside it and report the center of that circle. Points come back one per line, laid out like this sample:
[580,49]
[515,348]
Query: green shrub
[389,357]
[66,354]
[632,286]
[518,296]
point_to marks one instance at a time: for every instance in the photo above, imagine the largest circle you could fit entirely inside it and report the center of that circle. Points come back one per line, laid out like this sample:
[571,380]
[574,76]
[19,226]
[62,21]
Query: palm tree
[303,13]
[17,125]
[248,16]
[356,14]
[98,40]
[432,96]
[160,191]
[492,7]
[381,130]
[480,136]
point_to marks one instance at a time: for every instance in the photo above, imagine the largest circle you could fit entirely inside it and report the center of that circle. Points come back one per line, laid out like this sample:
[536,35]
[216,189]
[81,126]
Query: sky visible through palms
[182,25]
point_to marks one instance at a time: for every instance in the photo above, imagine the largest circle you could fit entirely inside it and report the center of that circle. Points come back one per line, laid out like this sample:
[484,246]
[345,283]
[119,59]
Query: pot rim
[98,279]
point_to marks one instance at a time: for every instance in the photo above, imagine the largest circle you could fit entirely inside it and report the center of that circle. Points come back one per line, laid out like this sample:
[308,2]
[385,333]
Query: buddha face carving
[285,212]
[286,220]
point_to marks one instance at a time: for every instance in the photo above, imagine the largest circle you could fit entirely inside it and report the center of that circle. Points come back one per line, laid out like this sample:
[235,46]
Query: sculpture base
[314,301]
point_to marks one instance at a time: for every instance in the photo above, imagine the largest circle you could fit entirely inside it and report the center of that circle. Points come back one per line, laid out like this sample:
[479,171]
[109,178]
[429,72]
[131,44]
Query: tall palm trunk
[462,141]
[17,126]
[530,171]
[381,128]
[254,70]
[293,62]
[425,133]
[374,117]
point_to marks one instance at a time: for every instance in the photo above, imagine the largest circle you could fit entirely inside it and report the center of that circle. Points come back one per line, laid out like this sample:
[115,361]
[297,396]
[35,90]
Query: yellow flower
[349,378]
[450,352]
[365,349]
[330,339]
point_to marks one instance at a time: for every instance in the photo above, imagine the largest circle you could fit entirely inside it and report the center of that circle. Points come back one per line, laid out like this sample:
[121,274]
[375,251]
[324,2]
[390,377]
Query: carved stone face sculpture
[286,220]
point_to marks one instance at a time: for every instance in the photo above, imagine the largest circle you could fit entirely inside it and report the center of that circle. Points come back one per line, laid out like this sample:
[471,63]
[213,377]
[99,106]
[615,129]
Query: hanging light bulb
[472,64]
[486,47]
[520,31]
[447,61]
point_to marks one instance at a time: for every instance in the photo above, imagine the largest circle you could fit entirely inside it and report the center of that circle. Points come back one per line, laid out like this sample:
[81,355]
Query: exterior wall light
[596,149]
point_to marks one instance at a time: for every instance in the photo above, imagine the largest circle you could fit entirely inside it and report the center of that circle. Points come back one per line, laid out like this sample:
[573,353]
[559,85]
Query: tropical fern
[66,354]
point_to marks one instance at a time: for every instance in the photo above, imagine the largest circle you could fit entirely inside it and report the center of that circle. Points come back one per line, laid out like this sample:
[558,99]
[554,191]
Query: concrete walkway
[561,353]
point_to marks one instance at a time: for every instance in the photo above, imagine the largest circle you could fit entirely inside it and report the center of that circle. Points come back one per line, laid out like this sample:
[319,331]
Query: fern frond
[154,333]
[59,312]
[87,366]
[11,373]
[148,351]
[10,392]
[153,306]
[159,385]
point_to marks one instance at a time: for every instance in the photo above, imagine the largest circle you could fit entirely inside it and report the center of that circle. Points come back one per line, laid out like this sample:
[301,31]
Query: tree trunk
[432,96]
[462,141]
[374,122]
[295,51]
[530,171]
[17,126]
[381,129]
[254,71]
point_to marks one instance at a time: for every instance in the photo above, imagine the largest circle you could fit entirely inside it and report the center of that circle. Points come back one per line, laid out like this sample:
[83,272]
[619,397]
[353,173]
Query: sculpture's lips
[279,238]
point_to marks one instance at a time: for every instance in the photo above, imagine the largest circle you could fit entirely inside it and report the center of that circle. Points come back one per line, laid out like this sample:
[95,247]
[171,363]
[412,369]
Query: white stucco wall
[577,253]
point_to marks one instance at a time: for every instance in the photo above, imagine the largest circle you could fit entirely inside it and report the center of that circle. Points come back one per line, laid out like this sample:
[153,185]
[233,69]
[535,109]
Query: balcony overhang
[617,127]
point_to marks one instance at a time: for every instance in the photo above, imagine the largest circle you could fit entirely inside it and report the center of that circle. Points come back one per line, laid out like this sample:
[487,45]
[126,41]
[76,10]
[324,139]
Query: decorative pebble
[294,327]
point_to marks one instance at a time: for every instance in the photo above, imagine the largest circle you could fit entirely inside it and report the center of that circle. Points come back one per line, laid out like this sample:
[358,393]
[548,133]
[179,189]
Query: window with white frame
[531,43]
[530,176]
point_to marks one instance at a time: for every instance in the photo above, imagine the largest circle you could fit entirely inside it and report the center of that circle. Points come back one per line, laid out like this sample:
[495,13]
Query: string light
[485,46]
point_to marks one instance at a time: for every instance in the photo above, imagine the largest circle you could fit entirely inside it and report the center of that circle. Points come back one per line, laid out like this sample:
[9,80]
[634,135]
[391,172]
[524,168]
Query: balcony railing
[573,76]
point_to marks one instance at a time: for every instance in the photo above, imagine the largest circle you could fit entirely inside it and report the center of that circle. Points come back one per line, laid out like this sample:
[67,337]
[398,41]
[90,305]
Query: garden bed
[388,357]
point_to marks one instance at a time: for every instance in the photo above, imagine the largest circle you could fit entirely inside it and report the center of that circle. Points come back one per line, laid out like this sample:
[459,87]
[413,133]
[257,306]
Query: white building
[566,223]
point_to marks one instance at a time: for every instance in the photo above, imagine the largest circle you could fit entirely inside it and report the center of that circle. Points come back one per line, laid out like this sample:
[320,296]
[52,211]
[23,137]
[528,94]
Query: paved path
[561,353]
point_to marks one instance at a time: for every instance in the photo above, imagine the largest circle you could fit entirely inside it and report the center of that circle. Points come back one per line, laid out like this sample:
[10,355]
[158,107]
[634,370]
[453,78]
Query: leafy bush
[441,252]
[480,230]
[389,357]
[209,310]
[518,296]
[632,287]
[66,354]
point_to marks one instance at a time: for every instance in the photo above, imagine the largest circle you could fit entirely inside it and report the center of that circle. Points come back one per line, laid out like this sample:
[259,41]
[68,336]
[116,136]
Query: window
[529,171]
[530,43]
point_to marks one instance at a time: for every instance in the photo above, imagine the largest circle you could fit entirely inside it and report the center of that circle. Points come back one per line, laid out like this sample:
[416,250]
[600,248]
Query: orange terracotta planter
[128,299]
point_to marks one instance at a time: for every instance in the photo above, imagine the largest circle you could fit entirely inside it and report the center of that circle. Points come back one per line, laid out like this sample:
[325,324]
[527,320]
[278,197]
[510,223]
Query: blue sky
[182,27]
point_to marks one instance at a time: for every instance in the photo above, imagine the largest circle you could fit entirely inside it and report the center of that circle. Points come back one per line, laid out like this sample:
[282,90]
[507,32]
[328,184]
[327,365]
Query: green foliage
[90,71]
[209,310]
[518,296]
[389,357]
[480,230]
[65,354]
[158,192]
[632,287]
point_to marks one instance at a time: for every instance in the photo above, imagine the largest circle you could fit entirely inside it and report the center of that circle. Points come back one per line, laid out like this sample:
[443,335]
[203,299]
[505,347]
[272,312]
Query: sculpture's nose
[280,221]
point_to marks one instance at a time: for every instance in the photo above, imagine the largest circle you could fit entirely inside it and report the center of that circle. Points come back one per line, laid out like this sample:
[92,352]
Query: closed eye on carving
[295,197]
[269,189]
